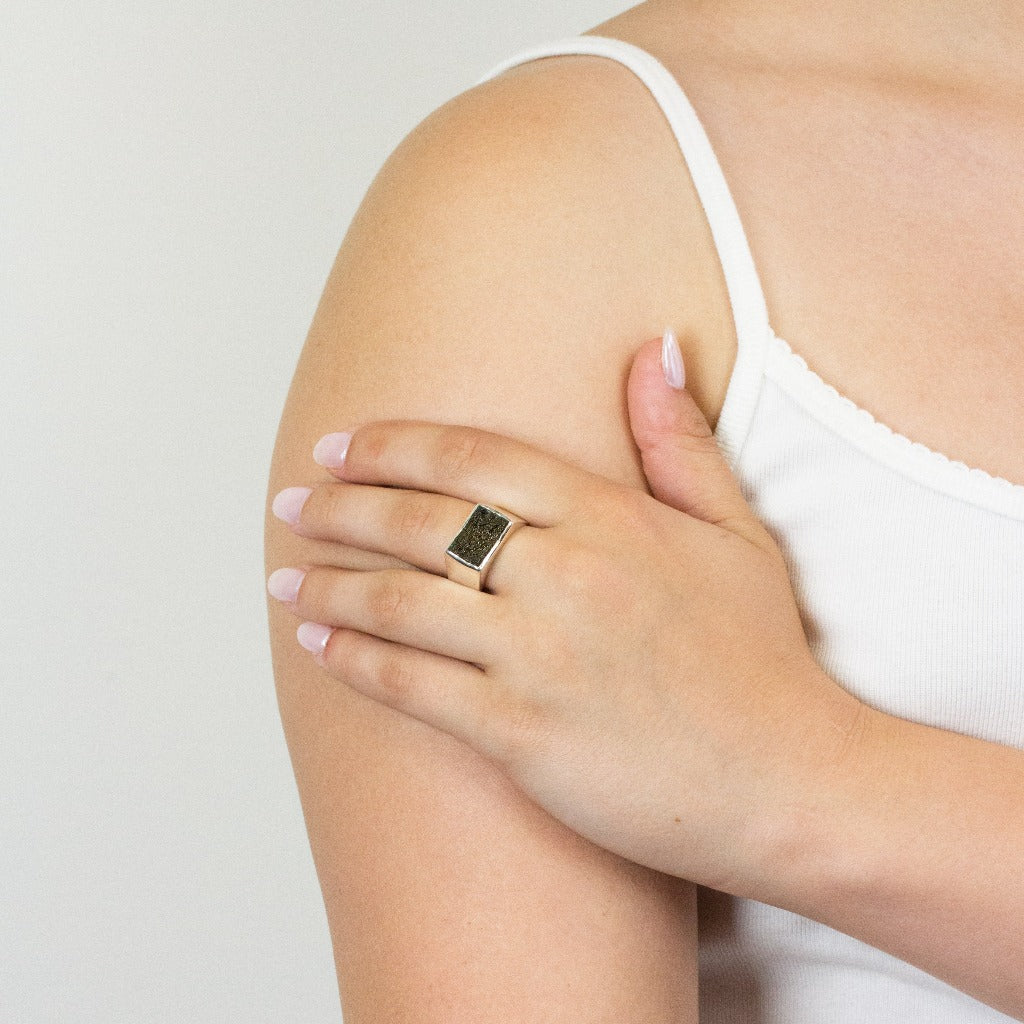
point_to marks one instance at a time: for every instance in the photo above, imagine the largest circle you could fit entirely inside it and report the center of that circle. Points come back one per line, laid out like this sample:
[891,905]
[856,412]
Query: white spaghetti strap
[746,296]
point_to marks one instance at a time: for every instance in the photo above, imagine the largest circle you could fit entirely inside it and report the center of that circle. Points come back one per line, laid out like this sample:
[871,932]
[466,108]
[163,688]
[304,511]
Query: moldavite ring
[471,553]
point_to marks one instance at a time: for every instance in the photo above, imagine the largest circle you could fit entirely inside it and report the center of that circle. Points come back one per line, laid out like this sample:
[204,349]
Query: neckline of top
[856,424]
[760,351]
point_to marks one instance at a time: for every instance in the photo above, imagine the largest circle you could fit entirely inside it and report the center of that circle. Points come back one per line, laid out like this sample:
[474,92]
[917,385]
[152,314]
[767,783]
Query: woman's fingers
[402,605]
[450,695]
[469,463]
[415,526]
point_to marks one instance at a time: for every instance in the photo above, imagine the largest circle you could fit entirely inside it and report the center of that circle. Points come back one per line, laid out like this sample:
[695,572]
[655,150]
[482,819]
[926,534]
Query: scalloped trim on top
[870,429]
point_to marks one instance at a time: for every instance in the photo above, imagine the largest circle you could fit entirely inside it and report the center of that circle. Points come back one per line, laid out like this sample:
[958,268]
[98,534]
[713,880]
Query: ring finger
[415,526]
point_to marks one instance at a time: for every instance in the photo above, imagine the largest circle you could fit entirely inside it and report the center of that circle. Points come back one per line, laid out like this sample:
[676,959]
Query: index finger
[471,463]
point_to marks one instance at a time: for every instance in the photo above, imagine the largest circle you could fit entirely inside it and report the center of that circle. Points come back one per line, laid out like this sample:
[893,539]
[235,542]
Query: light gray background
[176,180]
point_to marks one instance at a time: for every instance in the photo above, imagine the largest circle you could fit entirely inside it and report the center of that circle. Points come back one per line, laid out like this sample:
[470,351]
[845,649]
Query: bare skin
[881,201]
[876,170]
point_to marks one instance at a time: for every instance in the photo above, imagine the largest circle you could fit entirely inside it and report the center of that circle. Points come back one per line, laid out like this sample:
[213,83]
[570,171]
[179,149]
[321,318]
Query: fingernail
[331,449]
[313,636]
[672,360]
[287,504]
[284,584]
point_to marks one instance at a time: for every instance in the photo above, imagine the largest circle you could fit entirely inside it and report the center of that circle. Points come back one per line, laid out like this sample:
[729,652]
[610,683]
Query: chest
[888,235]
[910,595]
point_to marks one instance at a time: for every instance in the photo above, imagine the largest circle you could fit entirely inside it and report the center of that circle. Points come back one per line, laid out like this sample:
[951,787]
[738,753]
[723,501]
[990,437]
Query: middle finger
[415,526]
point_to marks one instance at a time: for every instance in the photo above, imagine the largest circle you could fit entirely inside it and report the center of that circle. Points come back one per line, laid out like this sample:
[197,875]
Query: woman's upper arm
[493,276]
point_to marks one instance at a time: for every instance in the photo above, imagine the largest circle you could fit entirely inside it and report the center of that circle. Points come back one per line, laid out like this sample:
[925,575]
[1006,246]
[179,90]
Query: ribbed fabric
[909,571]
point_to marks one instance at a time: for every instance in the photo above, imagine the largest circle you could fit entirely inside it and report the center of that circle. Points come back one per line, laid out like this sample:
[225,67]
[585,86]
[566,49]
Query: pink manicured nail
[284,583]
[672,360]
[287,504]
[331,449]
[313,636]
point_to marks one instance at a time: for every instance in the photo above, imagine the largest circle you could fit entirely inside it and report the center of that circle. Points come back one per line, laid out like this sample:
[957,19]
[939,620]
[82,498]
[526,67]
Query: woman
[751,635]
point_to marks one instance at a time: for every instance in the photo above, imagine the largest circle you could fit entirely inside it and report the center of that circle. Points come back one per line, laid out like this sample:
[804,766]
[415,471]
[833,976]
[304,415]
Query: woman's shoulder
[572,132]
[561,183]
[507,260]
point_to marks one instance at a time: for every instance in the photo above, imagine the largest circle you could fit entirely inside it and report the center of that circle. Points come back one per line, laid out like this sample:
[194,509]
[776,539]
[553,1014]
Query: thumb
[682,461]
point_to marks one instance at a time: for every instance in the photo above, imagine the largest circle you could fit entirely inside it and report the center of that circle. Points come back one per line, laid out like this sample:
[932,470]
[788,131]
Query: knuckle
[413,518]
[389,601]
[368,445]
[629,508]
[330,505]
[460,452]
[396,676]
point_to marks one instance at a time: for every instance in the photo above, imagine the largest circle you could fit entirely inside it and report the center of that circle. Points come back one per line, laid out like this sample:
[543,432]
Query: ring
[471,553]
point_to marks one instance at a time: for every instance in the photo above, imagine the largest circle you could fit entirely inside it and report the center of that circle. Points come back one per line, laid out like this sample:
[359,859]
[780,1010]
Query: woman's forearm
[916,846]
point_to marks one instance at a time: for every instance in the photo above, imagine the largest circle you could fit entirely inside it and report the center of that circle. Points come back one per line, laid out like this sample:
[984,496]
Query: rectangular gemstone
[479,534]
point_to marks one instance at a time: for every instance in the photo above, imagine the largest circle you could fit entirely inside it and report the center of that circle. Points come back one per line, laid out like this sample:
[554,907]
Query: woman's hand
[639,670]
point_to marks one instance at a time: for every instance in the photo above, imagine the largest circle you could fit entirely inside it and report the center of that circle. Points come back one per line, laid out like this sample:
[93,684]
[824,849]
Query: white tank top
[909,571]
